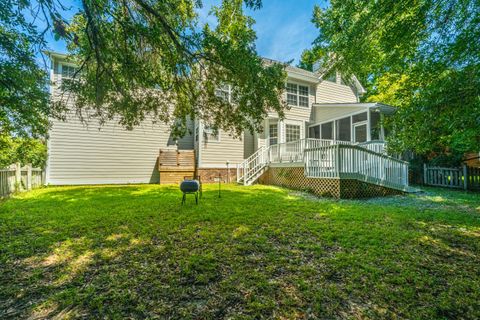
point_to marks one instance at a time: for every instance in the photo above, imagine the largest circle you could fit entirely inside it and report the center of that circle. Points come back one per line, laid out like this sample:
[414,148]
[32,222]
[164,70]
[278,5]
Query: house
[321,109]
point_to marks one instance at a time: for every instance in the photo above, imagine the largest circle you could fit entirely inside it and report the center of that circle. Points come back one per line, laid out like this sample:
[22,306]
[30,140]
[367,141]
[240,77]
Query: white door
[360,132]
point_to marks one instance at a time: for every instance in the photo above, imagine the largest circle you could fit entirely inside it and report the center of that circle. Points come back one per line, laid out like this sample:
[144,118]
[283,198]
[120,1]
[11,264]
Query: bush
[23,150]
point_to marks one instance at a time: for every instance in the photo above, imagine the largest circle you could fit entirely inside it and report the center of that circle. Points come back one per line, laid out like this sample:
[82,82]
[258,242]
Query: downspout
[47,167]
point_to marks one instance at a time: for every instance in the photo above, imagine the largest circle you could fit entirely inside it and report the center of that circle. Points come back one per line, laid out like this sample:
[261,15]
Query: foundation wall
[208,175]
[294,178]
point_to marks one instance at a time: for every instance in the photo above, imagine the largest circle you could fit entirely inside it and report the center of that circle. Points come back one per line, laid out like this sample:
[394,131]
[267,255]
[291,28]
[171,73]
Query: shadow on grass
[135,251]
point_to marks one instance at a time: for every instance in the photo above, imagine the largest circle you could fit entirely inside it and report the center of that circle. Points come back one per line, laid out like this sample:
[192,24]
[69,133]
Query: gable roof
[316,77]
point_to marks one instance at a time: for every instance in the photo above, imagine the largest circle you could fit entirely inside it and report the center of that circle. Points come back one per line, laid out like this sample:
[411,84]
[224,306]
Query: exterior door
[360,132]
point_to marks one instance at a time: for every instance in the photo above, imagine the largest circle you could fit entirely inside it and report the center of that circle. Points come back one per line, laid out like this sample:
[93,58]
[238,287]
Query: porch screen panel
[327,130]
[360,133]
[359,117]
[375,125]
[314,132]
[343,129]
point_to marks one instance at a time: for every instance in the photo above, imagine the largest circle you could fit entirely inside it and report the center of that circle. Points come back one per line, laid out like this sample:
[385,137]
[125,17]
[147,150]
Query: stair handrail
[258,157]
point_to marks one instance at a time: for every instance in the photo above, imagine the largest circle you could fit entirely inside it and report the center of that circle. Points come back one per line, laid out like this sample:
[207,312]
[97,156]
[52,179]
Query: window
[224,92]
[292,132]
[292,98]
[273,133]
[297,95]
[68,71]
[210,136]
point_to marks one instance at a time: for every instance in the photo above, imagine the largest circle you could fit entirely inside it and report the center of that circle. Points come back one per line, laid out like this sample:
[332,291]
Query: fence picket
[19,179]
[467,178]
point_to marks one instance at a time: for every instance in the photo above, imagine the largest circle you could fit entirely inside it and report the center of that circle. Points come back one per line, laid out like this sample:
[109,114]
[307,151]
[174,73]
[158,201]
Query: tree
[23,150]
[140,58]
[422,56]
[24,105]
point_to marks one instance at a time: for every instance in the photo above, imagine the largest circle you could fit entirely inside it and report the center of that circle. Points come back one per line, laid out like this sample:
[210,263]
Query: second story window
[224,92]
[210,136]
[297,95]
[68,72]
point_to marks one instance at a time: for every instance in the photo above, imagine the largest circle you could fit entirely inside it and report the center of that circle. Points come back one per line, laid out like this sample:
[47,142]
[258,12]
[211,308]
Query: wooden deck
[328,159]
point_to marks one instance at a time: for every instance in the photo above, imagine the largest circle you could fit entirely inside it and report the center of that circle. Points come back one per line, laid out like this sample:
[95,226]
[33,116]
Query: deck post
[245,173]
[337,160]
[465,177]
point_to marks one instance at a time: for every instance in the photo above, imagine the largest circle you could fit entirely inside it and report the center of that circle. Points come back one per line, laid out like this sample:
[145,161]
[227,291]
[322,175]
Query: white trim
[267,132]
[359,124]
[218,140]
[369,130]
[300,123]
[198,144]
[298,95]
[231,165]
[50,89]
[286,164]
[338,118]
[302,77]
[384,108]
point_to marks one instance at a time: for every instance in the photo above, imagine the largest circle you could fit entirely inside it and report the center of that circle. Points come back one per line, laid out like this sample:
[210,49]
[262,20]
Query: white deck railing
[329,158]
[355,162]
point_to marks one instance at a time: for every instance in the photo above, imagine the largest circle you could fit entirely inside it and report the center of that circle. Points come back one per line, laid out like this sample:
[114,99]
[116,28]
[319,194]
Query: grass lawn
[258,252]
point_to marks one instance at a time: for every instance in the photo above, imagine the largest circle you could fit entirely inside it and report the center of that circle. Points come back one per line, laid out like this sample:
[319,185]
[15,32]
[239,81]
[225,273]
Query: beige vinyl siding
[216,153]
[331,92]
[327,113]
[80,154]
[90,153]
[248,145]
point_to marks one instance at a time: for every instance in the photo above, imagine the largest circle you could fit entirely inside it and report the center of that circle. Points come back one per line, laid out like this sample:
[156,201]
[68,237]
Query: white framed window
[210,136]
[273,133]
[68,72]
[297,95]
[224,92]
[292,132]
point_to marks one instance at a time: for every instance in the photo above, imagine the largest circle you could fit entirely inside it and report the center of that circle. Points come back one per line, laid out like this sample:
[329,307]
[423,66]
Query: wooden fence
[467,178]
[16,179]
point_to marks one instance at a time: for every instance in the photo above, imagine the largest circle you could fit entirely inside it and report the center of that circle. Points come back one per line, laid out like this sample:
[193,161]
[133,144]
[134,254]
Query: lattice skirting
[294,178]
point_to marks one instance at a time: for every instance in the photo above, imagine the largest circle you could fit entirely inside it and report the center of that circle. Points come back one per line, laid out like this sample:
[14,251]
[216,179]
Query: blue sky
[284,28]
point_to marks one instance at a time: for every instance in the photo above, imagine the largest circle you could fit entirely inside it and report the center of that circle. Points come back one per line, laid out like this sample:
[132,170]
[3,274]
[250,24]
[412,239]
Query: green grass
[258,252]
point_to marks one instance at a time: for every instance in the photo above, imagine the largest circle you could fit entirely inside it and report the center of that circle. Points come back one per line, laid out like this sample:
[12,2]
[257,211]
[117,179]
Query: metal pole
[219,185]
[465,177]
[228,171]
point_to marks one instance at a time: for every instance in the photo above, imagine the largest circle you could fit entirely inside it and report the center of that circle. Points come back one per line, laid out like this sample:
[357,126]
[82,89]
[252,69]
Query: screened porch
[354,122]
